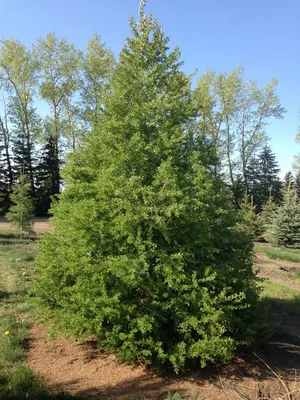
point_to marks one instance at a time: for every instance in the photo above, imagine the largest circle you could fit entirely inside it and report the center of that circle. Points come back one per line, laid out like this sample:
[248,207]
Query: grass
[17,381]
[288,300]
[276,253]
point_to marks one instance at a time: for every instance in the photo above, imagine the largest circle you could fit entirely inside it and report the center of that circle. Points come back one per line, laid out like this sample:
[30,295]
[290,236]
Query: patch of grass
[7,235]
[297,274]
[17,381]
[276,253]
[281,296]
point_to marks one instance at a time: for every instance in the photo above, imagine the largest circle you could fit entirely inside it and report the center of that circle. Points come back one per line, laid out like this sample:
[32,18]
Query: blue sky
[262,35]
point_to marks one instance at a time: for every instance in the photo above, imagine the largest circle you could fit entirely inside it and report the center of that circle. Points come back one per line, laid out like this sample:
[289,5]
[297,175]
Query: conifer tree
[262,178]
[48,176]
[285,230]
[21,210]
[147,252]
[267,216]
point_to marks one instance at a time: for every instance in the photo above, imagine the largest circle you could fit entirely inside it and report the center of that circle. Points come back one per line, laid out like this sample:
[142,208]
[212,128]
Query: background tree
[21,210]
[288,181]
[285,230]
[97,68]
[263,179]
[267,216]
[48,174]
[234,113]
[147,252]
[59,63]
[19,76]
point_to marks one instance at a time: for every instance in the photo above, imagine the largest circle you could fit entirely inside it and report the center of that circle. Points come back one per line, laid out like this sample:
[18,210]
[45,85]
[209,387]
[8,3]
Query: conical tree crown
[146,253]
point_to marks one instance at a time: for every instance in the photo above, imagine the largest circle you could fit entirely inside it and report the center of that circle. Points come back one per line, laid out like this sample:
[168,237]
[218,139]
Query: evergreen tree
[48,176]
[285,230]
[147,252]
[249,220]
[262,178]
[21,211]
[297,184]
[23,156]
[267,216]
[288,181]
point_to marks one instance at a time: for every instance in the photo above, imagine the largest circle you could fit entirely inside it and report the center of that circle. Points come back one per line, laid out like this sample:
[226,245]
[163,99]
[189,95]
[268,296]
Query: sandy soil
[68,367]
[40,225]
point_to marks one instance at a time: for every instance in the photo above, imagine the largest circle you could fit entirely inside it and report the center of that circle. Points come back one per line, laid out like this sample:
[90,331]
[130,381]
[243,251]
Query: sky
[261,35]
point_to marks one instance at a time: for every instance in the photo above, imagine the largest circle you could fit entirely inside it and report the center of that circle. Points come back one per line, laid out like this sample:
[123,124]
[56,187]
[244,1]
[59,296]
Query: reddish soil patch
[68,367]
[40,225]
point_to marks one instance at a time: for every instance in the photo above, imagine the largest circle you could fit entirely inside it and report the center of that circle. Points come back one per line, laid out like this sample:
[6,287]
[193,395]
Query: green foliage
[274,253]
[147,253]
[249,221]
[234,114]
[281,297]
[267,215]
[285,230]
[21,210]
[262,178]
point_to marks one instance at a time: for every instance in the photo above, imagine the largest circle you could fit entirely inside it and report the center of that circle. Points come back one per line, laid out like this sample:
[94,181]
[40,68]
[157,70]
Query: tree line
[53,96]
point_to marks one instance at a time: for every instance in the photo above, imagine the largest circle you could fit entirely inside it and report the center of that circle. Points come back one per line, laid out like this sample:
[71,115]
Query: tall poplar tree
[234,114]
[97,68]
[147,254]
[18,71]
[59,63]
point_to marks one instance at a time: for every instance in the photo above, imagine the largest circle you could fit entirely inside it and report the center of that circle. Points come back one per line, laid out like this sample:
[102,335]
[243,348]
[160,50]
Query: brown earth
[278,271]
[40,225]
[68,367]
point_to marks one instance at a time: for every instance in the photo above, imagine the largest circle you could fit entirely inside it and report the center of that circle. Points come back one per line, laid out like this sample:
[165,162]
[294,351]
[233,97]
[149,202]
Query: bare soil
[278,271]
[40,225]
[69,367]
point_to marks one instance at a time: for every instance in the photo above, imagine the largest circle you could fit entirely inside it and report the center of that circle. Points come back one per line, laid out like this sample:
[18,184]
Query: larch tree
[147,254]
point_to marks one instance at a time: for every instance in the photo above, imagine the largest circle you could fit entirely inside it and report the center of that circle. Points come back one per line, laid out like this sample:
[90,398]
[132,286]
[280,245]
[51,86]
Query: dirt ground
[40,225]
[68,367]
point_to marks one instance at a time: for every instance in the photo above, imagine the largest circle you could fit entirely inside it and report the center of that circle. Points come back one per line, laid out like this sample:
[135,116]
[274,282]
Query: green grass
[17,381]
[297,274]
[7,235]
[288,300]
[276,253]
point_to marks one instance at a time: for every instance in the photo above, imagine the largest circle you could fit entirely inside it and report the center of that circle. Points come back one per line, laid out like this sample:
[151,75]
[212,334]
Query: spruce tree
[21,212]
[285,229]
[48,176]
[262,178]
[147,252]
[267,216]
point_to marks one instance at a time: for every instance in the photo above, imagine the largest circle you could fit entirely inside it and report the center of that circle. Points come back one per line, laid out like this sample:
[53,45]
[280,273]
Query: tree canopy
[148,254]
